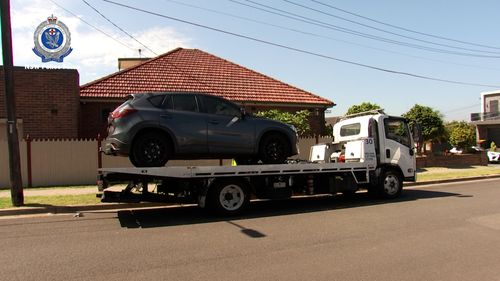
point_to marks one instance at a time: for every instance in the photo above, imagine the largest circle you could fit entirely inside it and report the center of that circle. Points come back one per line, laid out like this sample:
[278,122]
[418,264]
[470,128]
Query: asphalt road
[439,232]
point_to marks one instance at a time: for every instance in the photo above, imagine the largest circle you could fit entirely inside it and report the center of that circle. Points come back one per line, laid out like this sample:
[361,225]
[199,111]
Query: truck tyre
[274,149]
[150,149]
[391,184]
[228,197]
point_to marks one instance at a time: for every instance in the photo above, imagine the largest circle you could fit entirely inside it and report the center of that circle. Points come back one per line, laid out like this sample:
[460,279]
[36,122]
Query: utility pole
[16,189]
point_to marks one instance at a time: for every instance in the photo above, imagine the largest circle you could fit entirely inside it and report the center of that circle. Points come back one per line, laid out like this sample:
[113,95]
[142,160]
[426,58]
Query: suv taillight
[122,111]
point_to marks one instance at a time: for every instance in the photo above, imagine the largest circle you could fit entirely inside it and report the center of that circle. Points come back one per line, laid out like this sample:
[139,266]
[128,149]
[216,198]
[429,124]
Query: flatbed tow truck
[372,151]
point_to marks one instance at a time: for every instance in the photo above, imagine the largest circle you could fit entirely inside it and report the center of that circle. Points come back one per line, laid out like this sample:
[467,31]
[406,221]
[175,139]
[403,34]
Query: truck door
[398,149]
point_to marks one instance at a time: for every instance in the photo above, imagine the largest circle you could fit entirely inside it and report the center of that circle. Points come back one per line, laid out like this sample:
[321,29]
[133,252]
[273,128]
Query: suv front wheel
[150,150]
[274,149]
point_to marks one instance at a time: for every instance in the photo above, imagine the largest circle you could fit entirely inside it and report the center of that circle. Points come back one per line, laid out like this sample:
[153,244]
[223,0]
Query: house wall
[47,101]
[94,118]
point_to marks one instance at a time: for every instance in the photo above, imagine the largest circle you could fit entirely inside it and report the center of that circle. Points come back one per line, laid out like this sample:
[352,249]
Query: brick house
[47,102]
[51,104]
[488,120]
[192,70]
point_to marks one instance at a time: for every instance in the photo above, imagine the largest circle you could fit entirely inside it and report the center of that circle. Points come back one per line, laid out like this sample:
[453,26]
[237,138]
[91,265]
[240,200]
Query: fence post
[28,160]
[99,155]
[316,136]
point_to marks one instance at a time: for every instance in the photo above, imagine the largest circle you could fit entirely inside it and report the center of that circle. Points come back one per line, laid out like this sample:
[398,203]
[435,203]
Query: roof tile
[195,70]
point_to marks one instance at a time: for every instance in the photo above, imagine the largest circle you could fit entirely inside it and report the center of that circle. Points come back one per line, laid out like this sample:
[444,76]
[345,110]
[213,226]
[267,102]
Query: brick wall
[47,101]
[94,116]
[477,159]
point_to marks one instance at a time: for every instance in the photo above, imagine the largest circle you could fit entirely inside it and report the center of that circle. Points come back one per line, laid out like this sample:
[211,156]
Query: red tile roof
[192,70]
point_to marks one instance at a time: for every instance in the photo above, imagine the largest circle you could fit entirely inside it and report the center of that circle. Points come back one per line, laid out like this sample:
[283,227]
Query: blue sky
[95,54]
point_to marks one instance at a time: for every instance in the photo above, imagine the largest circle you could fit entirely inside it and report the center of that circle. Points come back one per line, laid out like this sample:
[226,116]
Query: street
[435,232]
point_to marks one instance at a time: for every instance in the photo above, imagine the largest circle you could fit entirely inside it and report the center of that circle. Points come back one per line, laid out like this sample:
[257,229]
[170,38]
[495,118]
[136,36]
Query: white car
[493,156]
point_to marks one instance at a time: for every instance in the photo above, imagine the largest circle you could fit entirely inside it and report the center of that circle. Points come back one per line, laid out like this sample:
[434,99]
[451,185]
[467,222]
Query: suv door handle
[214,122]
[166,116]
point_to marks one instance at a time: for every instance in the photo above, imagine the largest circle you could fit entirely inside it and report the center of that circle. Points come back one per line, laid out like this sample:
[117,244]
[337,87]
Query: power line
[462,108]
[300,18]
[299,50]
[405,29]
[124,31]
[324,36]
[91,25]
[386,31]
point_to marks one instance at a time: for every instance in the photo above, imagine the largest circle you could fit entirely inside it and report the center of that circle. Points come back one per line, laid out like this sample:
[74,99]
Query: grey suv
[152,128]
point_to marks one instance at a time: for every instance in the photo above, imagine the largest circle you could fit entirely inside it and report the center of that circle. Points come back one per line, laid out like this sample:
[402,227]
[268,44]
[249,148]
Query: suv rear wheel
[150,149]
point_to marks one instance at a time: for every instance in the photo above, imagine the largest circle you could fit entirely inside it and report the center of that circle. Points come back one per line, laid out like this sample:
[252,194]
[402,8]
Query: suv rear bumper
[113,146]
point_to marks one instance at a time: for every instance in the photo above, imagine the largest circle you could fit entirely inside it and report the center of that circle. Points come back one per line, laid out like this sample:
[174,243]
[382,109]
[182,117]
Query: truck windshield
[397,130]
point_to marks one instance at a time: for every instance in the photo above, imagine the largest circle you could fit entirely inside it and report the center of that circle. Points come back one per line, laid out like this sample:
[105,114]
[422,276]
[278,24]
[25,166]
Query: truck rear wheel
[391,184]
[229,197]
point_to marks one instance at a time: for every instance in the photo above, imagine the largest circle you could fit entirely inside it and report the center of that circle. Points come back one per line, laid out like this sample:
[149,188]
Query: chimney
[124,63]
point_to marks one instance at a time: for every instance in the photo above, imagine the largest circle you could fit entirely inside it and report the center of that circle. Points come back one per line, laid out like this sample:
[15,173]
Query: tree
[461,134]
[430,121]
[299,119]
[365,106]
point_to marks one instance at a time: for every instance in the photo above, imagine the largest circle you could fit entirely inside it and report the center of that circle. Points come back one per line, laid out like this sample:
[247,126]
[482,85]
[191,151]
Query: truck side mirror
[416,132]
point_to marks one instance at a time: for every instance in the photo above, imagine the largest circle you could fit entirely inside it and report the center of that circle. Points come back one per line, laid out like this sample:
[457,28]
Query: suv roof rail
[373,111]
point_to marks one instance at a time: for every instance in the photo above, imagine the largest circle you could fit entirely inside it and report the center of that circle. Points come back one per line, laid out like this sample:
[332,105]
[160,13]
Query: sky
[436,53]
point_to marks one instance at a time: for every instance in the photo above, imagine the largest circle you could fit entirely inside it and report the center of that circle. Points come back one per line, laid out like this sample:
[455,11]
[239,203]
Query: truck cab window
[397,130]
[350,130]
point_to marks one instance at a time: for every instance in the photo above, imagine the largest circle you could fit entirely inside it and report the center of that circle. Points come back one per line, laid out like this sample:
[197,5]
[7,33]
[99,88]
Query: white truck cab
[392,140]
[383,143]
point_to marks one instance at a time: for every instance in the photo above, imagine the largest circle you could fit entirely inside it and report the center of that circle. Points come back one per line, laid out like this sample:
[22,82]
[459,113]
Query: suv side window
[184,102]
[214,105]
[397,130]
[157,100]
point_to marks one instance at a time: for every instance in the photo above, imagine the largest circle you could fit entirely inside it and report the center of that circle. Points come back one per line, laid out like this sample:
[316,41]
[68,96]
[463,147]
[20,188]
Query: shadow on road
[163,217]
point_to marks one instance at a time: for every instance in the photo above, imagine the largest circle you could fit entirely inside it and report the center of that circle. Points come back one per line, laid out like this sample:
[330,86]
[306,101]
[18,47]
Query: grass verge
[438,173]
[54,200]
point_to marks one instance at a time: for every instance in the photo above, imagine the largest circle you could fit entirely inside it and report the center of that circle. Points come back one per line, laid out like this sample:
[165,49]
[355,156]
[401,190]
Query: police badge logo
[52,40]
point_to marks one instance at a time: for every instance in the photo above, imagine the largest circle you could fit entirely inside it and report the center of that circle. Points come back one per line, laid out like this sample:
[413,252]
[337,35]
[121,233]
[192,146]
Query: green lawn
[54,200]
[438,173]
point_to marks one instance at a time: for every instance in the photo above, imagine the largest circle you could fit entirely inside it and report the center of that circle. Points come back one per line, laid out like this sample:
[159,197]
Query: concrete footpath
[50,209]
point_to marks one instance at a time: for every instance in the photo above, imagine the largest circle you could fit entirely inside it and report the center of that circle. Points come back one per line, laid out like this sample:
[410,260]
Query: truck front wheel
[228,197]
[391,184]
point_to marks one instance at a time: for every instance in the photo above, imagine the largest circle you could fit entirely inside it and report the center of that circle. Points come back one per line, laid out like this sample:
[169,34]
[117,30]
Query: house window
[494,106]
